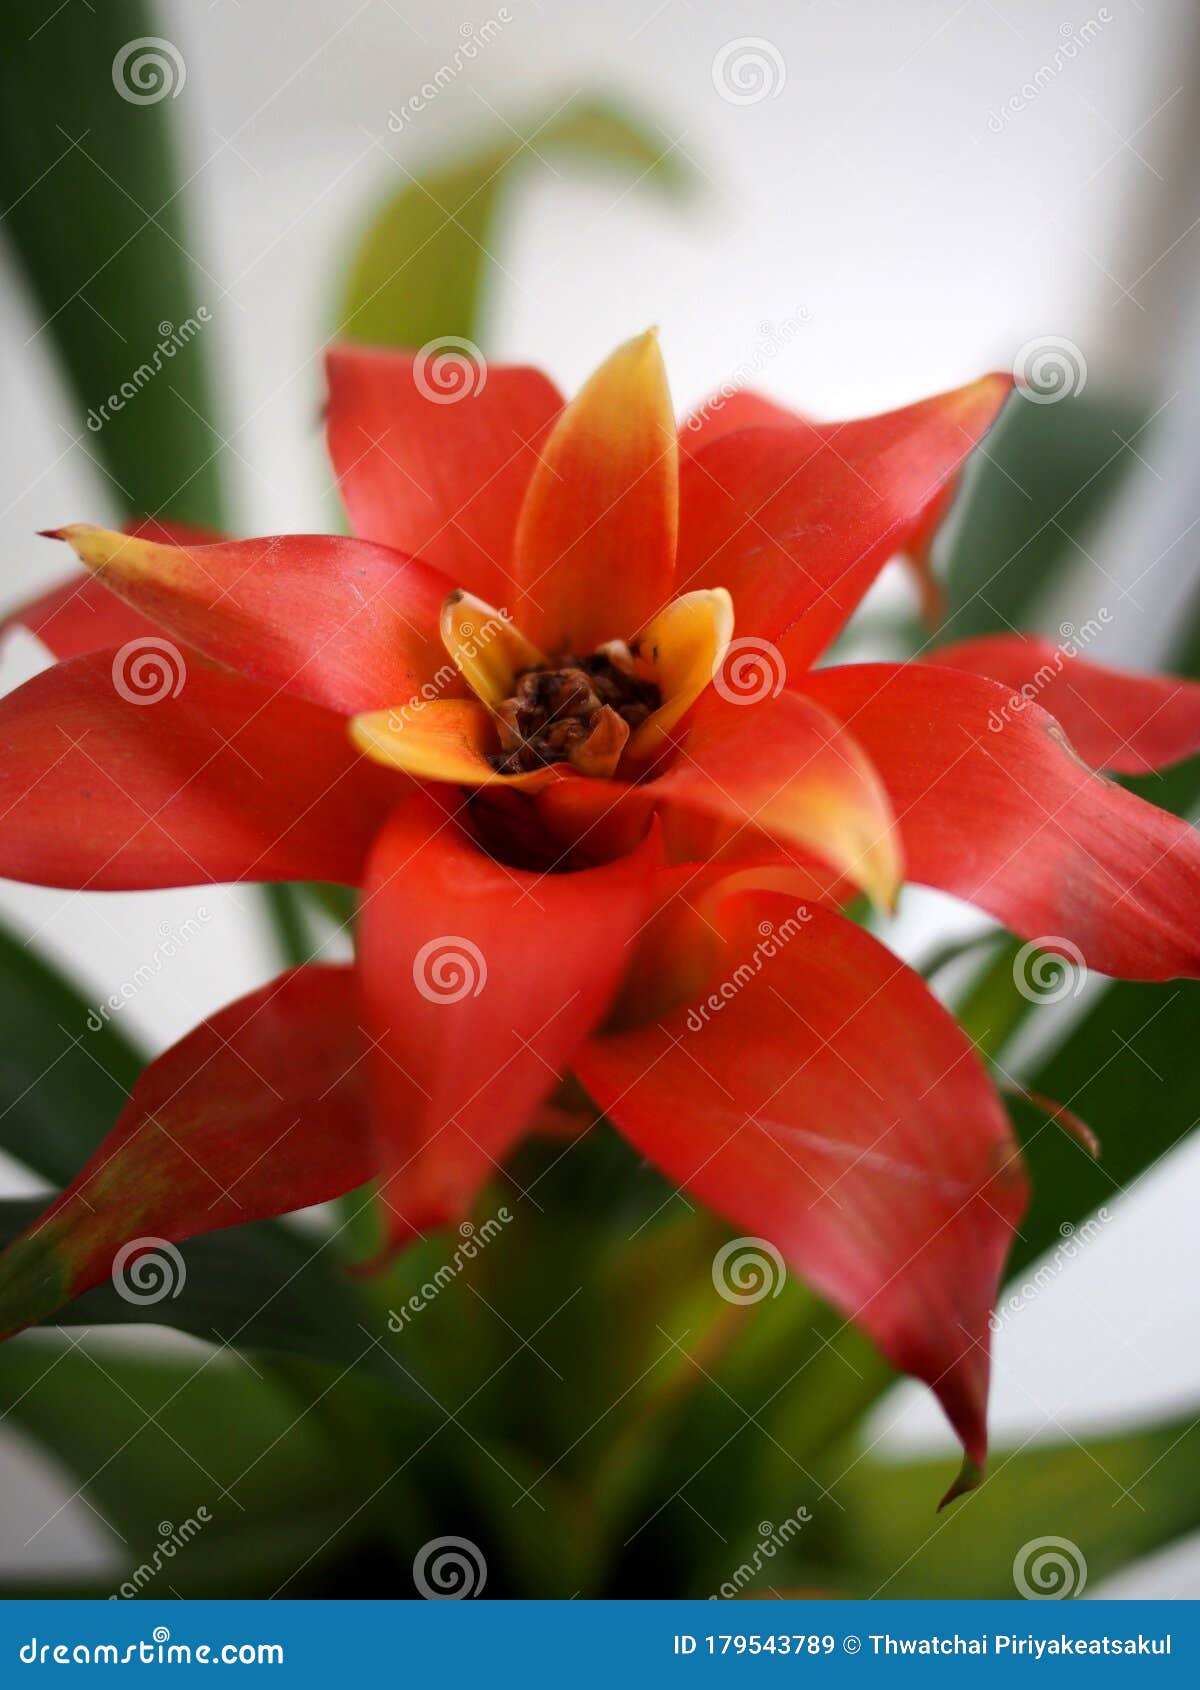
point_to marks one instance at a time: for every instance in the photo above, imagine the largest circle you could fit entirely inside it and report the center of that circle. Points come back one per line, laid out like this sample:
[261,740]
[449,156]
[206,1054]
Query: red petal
[993,807]
[797,522]
[760,769]
[439,477]
[822,1100]
[340,622]
[223,782]
[723,413]
[479,983]
[1131,724]
[80,615]
[259,1110]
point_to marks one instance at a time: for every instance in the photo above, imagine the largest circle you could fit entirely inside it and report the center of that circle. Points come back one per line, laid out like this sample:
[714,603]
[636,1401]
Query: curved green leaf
[420,270]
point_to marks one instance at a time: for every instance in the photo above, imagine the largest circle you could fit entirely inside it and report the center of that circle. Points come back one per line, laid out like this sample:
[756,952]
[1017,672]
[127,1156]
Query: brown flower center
[578,710]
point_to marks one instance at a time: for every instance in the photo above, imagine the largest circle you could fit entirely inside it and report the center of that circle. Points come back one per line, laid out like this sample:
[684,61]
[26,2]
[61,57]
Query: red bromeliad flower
[608,830]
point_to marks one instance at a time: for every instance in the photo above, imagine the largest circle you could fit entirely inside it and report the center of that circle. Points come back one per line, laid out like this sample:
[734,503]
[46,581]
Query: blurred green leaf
[1114,1498]
[264,1288]
[1041,481]
[163,1439]
[420,270]
[65,1070]
[92,203]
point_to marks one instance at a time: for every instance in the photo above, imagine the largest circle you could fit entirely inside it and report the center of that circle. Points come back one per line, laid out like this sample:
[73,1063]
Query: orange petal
[595,542]
[445,739]
[487,649]
[796,774]
[684,645]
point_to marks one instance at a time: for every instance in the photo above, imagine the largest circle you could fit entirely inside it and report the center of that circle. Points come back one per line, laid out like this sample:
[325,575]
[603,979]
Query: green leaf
[1113,1498]
[93,208]
[261,1288]
[167,1441]
[66,1069]
[1043,479]
[420,271]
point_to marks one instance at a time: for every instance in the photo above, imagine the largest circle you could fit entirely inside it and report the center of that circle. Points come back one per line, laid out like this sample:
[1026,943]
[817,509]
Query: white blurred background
[898,191]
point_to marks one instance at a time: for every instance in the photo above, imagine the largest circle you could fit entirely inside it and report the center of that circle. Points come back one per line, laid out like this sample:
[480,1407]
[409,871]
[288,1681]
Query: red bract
[553,711]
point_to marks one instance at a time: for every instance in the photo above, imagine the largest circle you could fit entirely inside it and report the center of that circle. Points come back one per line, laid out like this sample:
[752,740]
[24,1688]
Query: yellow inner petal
[487,648]
[447,739]
[683,647]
